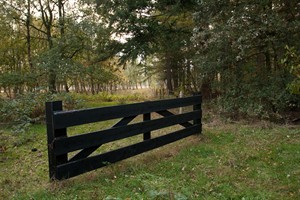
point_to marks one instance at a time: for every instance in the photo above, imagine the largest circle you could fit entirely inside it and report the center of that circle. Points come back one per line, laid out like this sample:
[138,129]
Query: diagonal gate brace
[88,151]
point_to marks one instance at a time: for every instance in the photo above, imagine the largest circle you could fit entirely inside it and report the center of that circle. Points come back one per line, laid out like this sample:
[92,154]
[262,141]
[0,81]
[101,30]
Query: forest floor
[229,160]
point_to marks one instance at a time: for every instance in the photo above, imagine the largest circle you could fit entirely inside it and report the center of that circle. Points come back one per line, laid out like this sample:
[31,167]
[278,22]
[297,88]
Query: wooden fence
[62,166]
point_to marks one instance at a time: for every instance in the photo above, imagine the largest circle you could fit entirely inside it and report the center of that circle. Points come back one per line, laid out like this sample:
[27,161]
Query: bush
[108,97]
[264,100]
[30,108]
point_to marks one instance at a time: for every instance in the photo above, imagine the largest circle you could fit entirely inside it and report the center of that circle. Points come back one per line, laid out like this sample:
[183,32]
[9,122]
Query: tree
[12,53]
[240,45]
[292,62]
[50,42]
[161,28]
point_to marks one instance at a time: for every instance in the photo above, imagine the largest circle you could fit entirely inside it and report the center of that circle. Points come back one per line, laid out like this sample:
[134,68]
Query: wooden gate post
[53,133]
[147,117]
[198,107]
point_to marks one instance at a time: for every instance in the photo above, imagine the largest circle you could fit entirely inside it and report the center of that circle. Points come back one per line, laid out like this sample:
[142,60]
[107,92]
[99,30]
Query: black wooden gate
[59,144]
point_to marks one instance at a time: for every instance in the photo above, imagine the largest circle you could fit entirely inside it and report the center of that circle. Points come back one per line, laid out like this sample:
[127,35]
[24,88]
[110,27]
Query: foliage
[30,108]
[292,62]
[44,44]
[106,97]
[155,28]
[239,48]
[230,50]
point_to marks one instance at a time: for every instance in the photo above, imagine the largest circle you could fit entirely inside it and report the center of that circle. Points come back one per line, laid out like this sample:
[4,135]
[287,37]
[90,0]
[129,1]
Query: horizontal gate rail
[59,144]
[64,119]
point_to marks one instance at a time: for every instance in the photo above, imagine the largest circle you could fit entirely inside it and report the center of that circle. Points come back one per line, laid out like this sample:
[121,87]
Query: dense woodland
[242,54]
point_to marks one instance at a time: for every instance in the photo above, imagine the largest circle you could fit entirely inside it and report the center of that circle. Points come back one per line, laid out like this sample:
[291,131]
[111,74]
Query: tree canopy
[244,54]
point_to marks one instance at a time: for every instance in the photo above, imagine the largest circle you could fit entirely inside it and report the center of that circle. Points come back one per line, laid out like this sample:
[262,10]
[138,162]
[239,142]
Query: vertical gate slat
[198,107]
[147,135]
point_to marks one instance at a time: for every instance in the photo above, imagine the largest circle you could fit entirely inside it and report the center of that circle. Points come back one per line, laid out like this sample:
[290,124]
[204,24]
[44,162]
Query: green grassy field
[228,161]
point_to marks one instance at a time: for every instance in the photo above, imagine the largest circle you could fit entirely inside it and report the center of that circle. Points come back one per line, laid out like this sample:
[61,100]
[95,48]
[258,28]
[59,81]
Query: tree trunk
[47,19]
[67,89]
[28,36]
[169,79]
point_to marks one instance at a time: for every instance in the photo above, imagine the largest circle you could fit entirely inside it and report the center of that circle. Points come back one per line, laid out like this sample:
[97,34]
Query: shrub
[30,108]
[265,100]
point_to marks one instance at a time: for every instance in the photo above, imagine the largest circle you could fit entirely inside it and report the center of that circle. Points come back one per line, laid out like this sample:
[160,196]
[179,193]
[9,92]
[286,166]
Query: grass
[228,161]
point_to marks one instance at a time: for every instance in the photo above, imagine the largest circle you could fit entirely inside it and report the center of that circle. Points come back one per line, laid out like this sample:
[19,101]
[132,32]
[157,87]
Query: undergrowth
[29,108]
